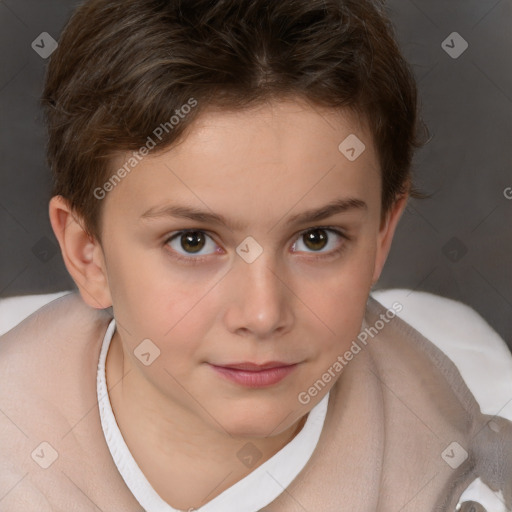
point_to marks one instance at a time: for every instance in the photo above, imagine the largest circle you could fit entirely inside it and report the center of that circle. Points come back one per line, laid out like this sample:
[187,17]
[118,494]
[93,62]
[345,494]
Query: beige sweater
[399,422]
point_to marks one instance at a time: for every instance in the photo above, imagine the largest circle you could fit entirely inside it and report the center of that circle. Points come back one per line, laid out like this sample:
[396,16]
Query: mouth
[254,375]
[255,367]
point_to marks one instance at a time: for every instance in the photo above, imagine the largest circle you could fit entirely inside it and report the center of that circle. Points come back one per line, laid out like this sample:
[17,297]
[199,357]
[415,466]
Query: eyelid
[336,229]
[199,259]
[175,234]
[333,229]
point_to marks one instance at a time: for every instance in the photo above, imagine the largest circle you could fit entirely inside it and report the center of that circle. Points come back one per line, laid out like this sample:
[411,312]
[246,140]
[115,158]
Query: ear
[82,254]
[386,233]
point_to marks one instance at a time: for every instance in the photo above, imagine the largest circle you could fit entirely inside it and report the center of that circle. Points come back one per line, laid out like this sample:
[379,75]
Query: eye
[317,239]
[192,243]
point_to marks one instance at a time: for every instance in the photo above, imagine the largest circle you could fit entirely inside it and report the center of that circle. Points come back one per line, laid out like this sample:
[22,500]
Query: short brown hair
[123,67]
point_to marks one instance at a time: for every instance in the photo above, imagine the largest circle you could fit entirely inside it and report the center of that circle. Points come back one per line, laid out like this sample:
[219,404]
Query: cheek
[341,309]
[338,297]
[154,301]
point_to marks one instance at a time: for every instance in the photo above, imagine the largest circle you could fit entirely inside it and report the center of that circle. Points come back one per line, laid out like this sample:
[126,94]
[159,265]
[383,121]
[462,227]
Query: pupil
[192,241]
[315,239]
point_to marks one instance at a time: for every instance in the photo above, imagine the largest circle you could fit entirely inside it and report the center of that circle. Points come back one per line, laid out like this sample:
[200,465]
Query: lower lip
[258,379]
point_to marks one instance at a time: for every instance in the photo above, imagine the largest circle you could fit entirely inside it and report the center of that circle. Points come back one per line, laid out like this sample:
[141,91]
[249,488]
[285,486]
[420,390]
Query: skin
[297,302]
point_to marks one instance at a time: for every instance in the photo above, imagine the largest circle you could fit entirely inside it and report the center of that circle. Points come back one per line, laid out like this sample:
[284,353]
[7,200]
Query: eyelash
[202,259]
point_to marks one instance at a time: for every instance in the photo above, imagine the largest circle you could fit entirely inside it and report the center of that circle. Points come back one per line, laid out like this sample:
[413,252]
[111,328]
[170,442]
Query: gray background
[457,244]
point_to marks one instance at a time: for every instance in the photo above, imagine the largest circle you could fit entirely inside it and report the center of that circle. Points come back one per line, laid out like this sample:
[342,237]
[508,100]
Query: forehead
[273,133]
[282,153]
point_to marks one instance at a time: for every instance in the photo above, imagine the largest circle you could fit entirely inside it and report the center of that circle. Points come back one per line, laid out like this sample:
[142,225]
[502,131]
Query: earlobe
[386,233]
[82,254]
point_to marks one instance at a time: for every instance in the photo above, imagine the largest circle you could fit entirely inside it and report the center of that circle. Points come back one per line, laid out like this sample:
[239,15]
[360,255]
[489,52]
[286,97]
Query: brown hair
[125,67]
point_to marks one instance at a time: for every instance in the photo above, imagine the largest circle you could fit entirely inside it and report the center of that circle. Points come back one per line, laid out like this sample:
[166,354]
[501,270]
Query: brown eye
[193,241]
[325,241]
[315,239]
[196,243]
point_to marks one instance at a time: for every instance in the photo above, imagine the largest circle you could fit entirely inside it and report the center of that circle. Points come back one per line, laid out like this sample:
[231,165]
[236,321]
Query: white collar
[251,494]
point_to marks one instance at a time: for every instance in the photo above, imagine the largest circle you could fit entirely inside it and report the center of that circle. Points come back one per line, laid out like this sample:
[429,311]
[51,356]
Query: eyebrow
[312,215]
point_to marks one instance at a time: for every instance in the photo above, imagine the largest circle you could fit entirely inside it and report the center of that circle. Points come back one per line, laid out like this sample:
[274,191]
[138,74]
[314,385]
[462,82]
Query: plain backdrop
[457,243]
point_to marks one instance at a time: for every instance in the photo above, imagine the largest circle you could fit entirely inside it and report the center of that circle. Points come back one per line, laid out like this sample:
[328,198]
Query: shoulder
[57,333]
[47,343]
[479,353]
[56,328]
[48,366]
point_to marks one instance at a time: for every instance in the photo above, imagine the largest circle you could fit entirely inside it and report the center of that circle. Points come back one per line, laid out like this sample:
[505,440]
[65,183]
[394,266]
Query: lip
[254,367]
[259,376]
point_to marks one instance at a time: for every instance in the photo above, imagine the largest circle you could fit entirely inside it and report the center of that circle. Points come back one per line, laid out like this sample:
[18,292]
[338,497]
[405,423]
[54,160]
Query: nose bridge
[259,299]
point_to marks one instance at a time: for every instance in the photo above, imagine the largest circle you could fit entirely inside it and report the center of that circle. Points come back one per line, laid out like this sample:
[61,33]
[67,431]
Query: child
[228,179]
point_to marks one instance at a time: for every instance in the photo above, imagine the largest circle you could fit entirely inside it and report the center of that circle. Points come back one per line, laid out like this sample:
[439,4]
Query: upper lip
[254,366]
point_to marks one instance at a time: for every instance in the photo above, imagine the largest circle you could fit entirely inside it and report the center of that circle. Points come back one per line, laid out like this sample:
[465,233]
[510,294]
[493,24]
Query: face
[254,240]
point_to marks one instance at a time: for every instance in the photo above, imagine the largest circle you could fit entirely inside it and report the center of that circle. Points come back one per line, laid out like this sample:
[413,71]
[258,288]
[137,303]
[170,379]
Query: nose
[260,302]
